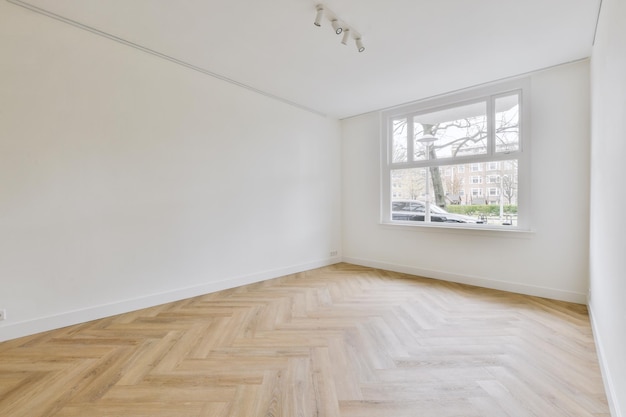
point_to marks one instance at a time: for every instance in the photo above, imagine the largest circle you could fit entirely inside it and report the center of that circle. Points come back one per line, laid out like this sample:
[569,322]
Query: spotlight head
[346,36]
[336,26]
[318,16]
[359,45]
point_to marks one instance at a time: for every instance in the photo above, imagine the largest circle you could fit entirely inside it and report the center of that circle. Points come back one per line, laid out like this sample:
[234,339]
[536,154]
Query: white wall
[552,261]
[608,197]
[127,181]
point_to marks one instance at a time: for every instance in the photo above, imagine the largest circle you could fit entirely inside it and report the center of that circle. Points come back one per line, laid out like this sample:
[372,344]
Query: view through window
[456,163]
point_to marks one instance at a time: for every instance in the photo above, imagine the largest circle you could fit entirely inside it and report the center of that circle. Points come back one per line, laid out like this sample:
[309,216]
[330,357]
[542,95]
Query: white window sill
[459,228]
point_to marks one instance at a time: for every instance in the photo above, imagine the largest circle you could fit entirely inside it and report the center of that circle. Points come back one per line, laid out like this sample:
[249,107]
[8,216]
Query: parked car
[414,210]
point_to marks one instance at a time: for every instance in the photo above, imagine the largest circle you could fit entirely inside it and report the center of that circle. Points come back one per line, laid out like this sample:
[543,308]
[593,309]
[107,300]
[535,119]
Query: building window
[476,167]
[427,145]
[493,166]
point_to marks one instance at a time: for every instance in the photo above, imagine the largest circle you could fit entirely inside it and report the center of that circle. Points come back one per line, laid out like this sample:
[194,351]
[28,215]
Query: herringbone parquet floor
[342,341]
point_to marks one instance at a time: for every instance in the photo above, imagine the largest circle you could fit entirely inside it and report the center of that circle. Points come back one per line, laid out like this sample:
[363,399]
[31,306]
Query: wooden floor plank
[339,341]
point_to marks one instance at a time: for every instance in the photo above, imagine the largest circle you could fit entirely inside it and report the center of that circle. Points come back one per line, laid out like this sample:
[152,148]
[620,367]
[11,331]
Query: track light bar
[338,27]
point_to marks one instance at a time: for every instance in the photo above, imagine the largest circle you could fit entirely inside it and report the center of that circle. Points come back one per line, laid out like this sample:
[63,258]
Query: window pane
[409,184]
[507,123]
[399,143]
[459,131]
[456,194]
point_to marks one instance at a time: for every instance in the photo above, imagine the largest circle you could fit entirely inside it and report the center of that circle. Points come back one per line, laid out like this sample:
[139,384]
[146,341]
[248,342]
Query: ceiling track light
[319,15]
[359,45]
[346,36]
[338,27]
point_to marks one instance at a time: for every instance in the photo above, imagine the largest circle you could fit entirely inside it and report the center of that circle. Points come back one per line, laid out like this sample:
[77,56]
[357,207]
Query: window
[428,146]
[476,167]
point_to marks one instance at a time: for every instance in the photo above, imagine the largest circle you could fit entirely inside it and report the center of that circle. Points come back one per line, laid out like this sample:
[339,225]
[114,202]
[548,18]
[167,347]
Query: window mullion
[491,126]
[389,147]
[410,139]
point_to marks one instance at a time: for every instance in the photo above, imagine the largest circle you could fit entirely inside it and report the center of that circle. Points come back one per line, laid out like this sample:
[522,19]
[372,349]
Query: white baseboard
[518,288]
[609,387]
[42,324]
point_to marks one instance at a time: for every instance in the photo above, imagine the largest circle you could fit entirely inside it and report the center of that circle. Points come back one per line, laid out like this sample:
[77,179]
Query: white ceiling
[414,48]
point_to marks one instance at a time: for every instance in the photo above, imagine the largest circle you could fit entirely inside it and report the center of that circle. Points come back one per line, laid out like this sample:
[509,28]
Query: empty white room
[302,208]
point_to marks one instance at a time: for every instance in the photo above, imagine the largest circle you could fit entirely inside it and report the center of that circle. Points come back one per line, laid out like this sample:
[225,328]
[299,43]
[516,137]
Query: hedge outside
[485,209]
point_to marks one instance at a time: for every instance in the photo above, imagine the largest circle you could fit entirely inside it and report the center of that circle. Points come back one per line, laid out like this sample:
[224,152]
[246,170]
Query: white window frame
[489,93]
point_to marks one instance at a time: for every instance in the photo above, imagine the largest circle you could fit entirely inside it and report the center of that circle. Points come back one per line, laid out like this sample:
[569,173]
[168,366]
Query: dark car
[414,210]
